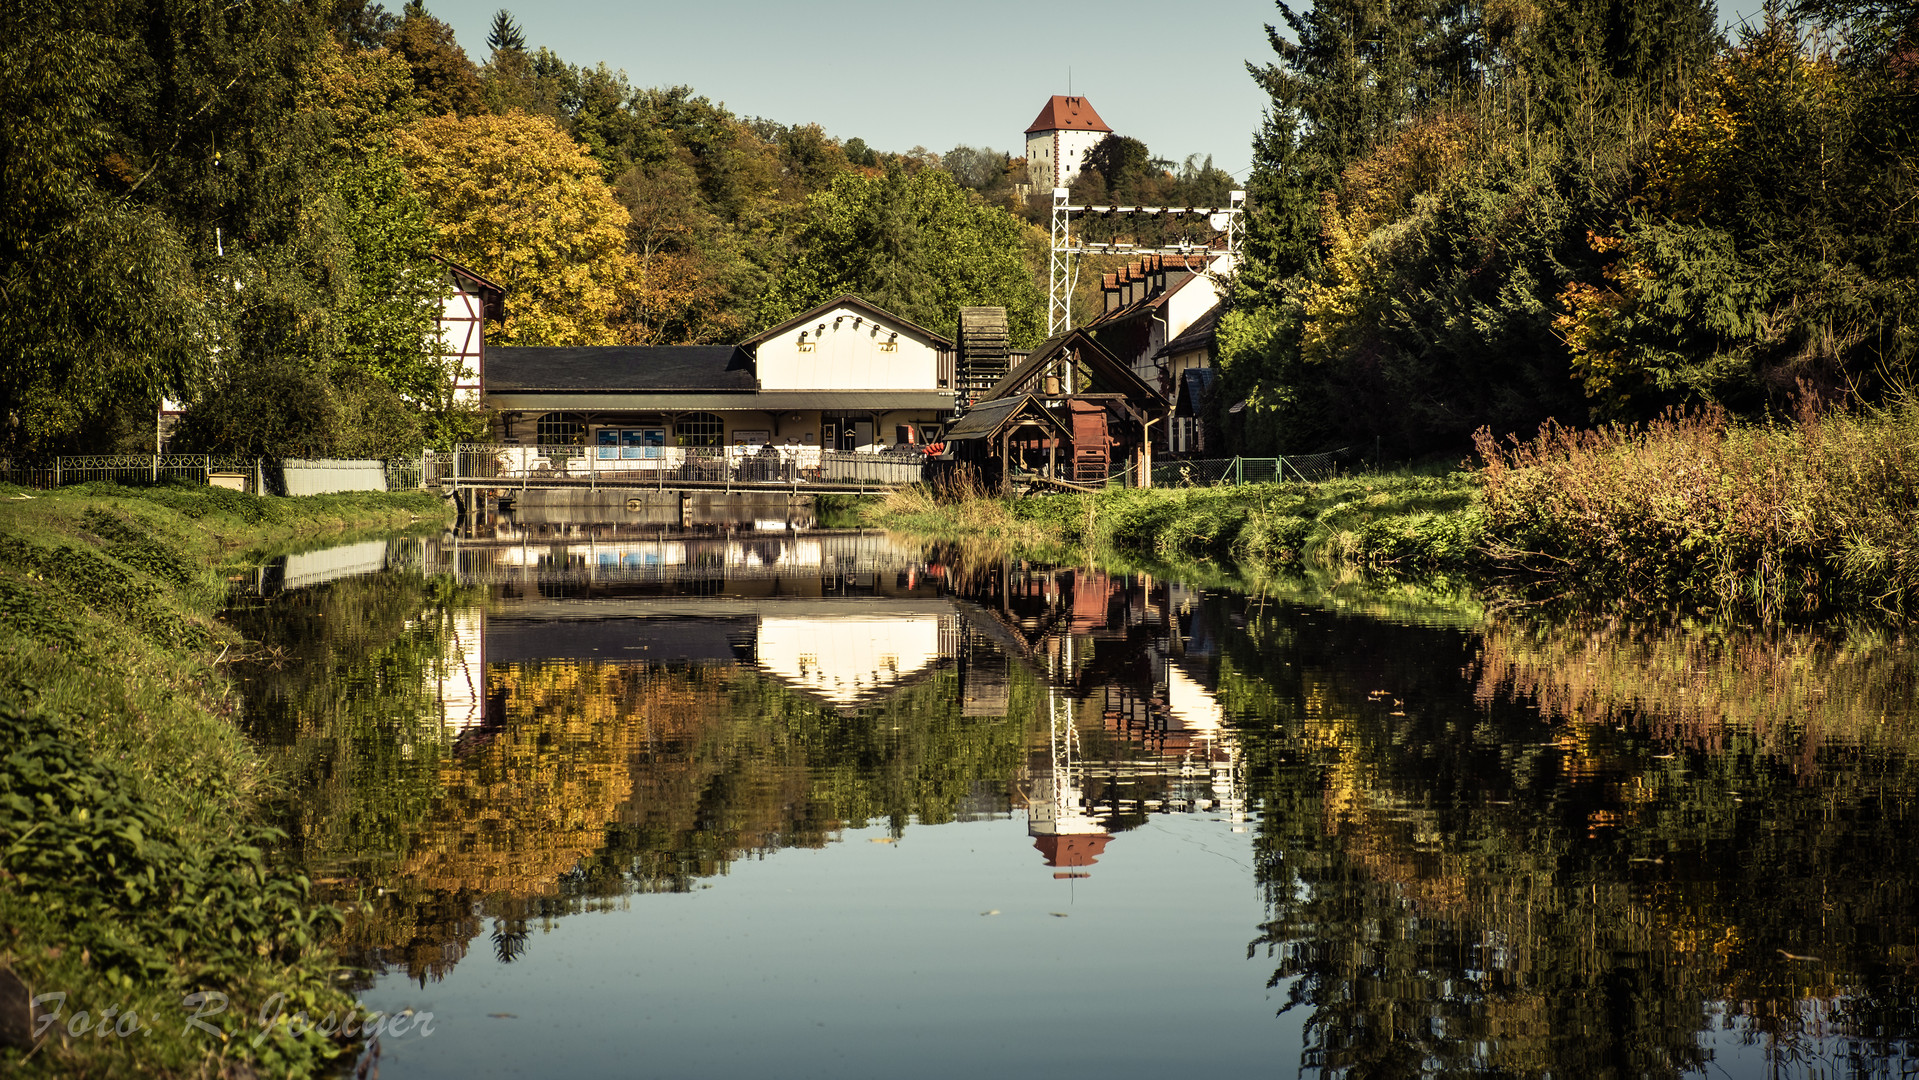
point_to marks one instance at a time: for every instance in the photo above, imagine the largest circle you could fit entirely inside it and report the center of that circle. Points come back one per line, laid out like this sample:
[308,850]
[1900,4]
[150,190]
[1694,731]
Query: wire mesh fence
[1206,472]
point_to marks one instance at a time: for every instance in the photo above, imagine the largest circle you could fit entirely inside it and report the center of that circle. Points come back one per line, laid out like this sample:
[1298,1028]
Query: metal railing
[245,474]
[252,475]
[1206,472]
[665,467]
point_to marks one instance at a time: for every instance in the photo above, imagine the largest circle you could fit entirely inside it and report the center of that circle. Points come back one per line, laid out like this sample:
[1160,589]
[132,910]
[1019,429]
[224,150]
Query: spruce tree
[505,36]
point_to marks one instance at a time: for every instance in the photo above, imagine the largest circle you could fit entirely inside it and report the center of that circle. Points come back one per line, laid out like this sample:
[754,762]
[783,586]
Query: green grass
[1389,523]
[133,871]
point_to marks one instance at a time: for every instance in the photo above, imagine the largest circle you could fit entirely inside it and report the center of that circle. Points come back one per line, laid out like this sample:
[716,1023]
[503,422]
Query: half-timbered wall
[462,331]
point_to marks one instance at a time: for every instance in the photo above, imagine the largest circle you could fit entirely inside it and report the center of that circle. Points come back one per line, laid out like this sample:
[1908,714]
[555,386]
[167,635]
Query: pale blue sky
[903,74]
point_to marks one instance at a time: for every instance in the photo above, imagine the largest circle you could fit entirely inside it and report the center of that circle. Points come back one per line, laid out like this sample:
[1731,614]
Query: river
[777,800]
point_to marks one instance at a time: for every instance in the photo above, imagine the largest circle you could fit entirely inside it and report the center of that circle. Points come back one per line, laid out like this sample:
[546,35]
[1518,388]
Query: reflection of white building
[851,661]
[847,653]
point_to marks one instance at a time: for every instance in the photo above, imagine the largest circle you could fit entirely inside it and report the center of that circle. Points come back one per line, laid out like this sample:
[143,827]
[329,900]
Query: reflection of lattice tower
[985,354]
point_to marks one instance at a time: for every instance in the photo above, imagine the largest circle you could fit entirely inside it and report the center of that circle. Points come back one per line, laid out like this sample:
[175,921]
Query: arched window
[699,429]
[562,429]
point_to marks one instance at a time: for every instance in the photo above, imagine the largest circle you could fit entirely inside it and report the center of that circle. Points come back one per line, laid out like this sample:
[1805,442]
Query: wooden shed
[1108,413]
[1019,431]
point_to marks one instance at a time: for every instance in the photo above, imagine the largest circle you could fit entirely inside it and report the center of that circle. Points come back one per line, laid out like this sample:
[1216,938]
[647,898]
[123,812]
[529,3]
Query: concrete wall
[323,476]
[572,506]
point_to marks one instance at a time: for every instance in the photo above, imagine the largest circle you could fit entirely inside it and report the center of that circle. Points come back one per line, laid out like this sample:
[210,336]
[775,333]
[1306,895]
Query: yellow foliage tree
[516,199]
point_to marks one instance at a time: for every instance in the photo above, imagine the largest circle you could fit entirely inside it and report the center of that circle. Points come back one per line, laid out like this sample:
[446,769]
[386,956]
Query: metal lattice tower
[1062,270]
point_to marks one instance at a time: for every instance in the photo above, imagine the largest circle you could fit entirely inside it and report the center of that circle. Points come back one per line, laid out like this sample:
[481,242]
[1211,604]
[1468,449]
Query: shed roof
[1064,113]
[532,369]
[989,419]
[1194,386]
[1107,369]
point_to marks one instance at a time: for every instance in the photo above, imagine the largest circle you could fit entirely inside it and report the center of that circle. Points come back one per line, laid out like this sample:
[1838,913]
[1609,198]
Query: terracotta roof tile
[1064,113]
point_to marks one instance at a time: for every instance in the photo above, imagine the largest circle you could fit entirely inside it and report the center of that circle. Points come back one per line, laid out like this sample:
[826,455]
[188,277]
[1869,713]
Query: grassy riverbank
[132,874]
[1691,515]
[1403,523]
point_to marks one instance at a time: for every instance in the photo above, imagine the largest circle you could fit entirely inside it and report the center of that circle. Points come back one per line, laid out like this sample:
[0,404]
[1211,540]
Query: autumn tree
[516,199]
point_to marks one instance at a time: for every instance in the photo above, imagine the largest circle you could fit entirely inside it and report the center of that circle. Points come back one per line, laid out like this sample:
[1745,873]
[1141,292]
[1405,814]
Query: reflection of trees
[774,768]
[1478,885]
[337,683]
[588,781]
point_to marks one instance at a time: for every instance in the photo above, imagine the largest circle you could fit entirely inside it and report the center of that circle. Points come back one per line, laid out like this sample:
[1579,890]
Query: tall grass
[1693,512]
[960,508]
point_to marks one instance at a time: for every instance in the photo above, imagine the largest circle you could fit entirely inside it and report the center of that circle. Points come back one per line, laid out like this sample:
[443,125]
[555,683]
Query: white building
[845,376]
[1058,139]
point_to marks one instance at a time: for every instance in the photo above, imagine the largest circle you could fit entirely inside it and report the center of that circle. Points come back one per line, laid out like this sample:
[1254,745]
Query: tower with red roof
[1058,139]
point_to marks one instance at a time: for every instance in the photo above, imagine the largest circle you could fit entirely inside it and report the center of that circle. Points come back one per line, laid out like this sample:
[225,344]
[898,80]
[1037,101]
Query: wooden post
[259,477]
[1145,453]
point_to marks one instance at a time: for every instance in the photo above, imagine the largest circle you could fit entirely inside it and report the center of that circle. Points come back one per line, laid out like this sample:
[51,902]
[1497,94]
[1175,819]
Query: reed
[1695,513]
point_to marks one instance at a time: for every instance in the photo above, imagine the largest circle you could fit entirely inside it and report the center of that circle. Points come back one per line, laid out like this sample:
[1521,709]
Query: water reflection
[1583,849]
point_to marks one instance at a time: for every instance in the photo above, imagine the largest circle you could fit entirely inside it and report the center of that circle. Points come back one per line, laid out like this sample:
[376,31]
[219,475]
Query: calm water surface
[775,801]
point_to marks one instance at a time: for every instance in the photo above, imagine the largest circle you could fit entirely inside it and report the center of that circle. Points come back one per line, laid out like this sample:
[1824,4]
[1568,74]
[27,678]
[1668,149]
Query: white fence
[245,474]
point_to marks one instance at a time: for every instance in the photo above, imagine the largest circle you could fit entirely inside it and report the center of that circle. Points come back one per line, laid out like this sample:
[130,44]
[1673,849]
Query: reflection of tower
[1055,816]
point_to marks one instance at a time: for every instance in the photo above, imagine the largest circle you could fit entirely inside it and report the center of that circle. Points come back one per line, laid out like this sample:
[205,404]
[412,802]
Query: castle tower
[1058,139]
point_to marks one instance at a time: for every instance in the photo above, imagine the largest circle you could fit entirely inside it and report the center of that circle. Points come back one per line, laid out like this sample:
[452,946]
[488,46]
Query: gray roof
[524,369]
[984,421]
[848,401]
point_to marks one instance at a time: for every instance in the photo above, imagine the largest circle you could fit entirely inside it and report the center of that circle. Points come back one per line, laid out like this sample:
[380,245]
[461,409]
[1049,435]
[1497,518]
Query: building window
[562,429]
[700,429]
